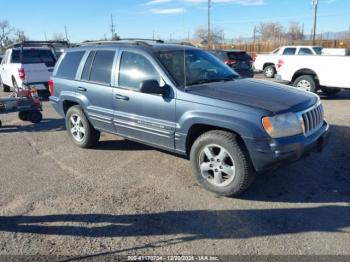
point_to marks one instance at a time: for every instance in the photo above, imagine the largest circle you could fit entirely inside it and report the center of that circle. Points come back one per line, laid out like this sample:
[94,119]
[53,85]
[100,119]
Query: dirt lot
[126,198]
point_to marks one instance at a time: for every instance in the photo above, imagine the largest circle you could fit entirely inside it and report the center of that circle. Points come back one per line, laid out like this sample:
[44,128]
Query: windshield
[318,50]
[34,56]
[199,67]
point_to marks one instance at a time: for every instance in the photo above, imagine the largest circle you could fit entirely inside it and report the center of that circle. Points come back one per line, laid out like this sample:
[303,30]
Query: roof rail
[39,43]
[181,43]
[124,40]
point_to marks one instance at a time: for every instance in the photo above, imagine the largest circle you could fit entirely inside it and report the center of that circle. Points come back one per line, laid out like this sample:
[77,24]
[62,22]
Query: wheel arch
[305,71]
[198,129]
[268,64]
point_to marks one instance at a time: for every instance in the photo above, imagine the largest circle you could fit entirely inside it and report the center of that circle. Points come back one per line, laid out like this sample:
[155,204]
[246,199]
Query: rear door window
[87,67]
[289,51]
[34,56]
[69,65]
[305,51]
[101,69]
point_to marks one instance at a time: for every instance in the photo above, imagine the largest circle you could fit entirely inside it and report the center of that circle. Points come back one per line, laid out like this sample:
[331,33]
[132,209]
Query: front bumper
[272,153]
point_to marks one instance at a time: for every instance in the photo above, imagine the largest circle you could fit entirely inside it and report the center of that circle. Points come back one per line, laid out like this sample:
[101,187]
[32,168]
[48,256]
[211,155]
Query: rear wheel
[23,115]
[4,87]
[306,83]
[81,132]
[35,116]
[270,71]
[221,164]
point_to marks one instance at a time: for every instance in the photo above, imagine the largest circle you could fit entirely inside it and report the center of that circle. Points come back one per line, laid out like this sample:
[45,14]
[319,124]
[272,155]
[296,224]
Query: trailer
[26,102]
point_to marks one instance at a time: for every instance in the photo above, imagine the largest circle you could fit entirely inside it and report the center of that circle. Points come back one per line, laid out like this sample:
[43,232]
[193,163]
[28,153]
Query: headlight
[283,125]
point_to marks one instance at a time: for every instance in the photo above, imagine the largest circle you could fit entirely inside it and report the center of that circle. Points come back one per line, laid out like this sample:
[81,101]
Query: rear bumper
[56,104]
[272,153]
[245,73]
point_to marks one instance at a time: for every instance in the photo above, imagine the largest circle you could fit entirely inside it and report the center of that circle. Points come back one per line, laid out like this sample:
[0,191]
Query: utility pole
[153,35]
[209,24]
[66,33]
[315,5]
[112,27]
[254,34]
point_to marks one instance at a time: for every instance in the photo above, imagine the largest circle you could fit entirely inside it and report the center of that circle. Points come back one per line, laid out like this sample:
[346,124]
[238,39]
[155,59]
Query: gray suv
[184,100]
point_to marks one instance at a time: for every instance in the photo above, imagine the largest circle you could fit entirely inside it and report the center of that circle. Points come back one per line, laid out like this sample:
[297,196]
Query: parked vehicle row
[267,63]
[184,100]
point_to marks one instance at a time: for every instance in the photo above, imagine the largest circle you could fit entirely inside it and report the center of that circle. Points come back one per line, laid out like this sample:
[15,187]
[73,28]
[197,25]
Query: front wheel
[81,132]
[270,71]
[306,83]
[221,164]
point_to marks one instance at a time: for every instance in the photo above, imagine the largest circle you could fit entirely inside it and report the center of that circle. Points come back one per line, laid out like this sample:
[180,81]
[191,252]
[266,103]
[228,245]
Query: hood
[265,95]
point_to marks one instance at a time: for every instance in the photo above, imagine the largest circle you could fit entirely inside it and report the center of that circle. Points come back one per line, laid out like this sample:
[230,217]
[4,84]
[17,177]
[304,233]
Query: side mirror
[151,87]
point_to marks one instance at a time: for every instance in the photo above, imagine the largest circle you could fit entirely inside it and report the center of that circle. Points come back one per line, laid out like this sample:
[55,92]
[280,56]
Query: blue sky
[90,19]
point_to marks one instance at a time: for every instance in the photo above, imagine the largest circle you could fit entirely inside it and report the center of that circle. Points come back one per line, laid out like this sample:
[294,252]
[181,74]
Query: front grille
[313,119]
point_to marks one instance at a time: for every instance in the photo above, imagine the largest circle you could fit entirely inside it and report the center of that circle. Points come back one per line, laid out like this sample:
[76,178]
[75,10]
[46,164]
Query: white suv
[27,64]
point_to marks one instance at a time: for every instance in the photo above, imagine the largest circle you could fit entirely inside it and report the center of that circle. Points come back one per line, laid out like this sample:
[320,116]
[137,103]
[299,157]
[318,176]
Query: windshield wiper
[205,81]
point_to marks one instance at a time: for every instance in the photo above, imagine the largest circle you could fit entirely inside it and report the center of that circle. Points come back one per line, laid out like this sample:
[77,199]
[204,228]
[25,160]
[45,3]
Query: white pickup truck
[267,62]
[310,73]
[27,65]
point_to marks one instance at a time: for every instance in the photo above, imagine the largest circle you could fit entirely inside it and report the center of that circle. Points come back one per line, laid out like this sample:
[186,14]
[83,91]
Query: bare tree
[270,31]
[295,32]
[20,36]
[5,31]
[58,37]
[216,35]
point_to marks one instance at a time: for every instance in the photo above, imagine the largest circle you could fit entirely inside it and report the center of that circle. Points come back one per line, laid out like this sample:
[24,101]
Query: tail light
[230,62]
[21,74]
[280,63]
[51,86]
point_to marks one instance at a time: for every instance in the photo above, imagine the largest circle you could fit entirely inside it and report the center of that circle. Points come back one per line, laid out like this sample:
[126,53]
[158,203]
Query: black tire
[35,116]
[91,136]
[244,172]
[4,88]
[23,115]
[270,71]
[312,84]
[328,91]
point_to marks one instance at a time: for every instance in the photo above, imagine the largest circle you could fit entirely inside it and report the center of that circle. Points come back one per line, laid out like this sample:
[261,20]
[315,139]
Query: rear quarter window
[69,65]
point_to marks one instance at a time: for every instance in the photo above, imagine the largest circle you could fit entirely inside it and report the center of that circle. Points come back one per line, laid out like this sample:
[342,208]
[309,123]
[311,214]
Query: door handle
[83,89]
[120,97]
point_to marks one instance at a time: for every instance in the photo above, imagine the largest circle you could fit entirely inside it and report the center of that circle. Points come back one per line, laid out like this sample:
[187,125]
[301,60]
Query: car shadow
[319,178]
[342,95]
[46,125]
[121,144]
[199,224]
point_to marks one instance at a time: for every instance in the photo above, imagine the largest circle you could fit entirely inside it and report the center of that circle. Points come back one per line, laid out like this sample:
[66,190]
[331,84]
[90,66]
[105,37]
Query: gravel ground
[125,198]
